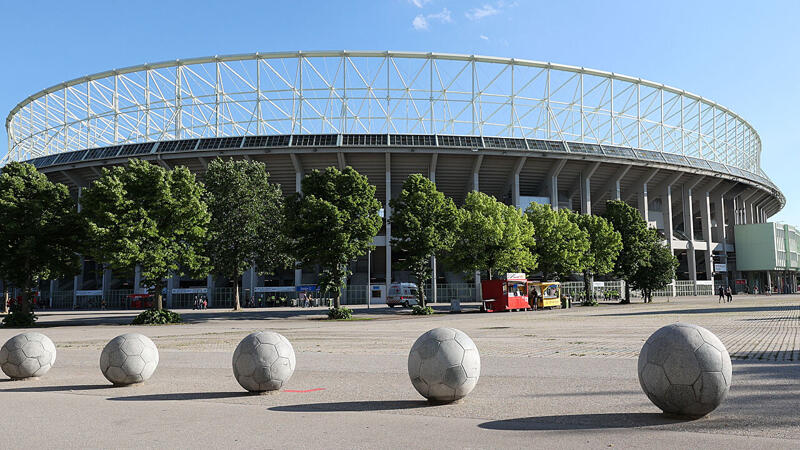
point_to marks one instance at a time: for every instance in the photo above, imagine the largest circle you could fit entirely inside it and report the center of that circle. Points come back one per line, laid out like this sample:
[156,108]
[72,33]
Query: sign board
[741,281]
[515,276]
[377,287]
[598,284]
[720,267]
[306,288]
[190,291]
[705,282]
[273,289]
[89,292]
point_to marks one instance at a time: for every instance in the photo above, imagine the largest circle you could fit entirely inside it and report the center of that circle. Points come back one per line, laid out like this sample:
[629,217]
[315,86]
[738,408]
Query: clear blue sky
[742,54]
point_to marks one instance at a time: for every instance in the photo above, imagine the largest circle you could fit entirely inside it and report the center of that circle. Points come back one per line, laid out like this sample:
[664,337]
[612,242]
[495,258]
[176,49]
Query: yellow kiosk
[546,294]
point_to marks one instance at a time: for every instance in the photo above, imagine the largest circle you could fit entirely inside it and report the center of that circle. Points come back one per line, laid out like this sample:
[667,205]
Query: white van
[403,294]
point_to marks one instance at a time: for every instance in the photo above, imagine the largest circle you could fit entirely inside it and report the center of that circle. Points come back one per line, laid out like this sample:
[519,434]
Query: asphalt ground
[562,378]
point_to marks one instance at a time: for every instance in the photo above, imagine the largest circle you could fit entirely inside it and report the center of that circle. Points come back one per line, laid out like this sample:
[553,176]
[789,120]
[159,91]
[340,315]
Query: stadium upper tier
[377,93]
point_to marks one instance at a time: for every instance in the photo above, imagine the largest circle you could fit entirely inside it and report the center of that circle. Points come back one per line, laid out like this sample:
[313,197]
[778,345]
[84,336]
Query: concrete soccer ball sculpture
[444,365]
[129,359]
[27,355]
[263,361]
[685,370]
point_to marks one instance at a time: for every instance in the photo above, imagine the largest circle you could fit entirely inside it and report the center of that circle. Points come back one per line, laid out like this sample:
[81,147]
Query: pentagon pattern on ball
[129,358]
[444,365]
[27,355]
[685,369]
[263,361]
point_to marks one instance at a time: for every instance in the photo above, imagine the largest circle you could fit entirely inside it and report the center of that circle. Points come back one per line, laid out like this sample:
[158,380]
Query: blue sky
[742,54]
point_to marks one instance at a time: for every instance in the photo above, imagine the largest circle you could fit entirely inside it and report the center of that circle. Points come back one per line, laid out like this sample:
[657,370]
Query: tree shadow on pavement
[77,387]
[379,405]
[582,422]
[714,310]
[182,396]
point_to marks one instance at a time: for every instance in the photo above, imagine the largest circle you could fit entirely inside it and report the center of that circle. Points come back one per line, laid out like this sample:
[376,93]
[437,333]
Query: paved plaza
[564,378]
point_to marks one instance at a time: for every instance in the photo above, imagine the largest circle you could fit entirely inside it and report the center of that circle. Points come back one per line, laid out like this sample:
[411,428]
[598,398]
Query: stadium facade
[522,131]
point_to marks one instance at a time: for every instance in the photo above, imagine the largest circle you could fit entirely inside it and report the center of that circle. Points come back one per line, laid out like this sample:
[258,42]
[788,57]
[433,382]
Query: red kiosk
[507,294]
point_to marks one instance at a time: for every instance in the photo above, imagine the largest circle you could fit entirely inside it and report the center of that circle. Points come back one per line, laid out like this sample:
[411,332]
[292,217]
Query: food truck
[507,294]
[545,294]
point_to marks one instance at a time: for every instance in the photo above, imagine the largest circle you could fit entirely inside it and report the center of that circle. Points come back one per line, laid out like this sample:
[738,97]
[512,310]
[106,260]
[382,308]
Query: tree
[246,225]
[636,239]
[423,225]
[492,236]
[658,271]
[332,222]
[605,243]
[142,214]
[41,232]
[560,243]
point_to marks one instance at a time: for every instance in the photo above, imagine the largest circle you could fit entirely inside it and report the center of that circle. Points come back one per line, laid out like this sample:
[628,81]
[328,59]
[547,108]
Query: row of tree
[168,223]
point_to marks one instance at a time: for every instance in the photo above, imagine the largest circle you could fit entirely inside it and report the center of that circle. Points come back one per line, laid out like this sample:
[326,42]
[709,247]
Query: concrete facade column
[298,187]
[688,228]
[53,287]
[552,182]
[137,279]
[210,290]
[107,276]
[387,214]
[585,188]
[705,214]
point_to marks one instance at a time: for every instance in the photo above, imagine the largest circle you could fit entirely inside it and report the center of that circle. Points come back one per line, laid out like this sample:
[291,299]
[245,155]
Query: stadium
[522,131]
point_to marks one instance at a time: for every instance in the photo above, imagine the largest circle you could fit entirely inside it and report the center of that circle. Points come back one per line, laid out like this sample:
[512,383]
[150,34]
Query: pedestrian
[728,293]
[721,294]
[196,303]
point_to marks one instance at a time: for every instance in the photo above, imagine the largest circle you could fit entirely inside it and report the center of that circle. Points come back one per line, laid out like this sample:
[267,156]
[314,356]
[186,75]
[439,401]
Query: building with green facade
[767,257]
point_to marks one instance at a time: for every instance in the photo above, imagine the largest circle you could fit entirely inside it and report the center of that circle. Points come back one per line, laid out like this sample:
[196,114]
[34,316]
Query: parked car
[402,294]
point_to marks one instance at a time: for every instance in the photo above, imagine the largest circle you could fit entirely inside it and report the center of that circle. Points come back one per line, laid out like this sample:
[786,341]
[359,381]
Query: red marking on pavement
[304,391]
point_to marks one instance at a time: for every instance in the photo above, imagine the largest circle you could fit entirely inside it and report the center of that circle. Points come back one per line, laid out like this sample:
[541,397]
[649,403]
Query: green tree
[657,271]
[142,214]
[246,225]
[332,222]
[636,241]
[424,223]
[492,236]
[560,244]
[40,235]
[605,243]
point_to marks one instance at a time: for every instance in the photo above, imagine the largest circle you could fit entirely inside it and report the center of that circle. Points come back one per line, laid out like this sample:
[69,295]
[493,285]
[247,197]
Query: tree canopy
[492,236]
[41,231]
[561,245]
[332,222]
[142,214]
[605,243]
[424,223]
[657,271]
[247,224]
[636,240]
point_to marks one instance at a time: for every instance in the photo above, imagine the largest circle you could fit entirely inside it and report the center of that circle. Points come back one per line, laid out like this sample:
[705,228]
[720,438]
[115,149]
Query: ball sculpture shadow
[27,355]
[129,359]
[444,365]
[263,361]
[685,370]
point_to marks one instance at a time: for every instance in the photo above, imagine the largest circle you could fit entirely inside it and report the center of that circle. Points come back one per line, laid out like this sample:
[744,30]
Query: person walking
[728,294]
[721,294]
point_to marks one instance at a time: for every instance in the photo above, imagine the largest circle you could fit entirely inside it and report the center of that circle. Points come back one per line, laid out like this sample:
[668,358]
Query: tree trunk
[237,305]
[420,289]
[627,293]
[26,305]
[337,301]
[159,299]
[588,282]
[5,298]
